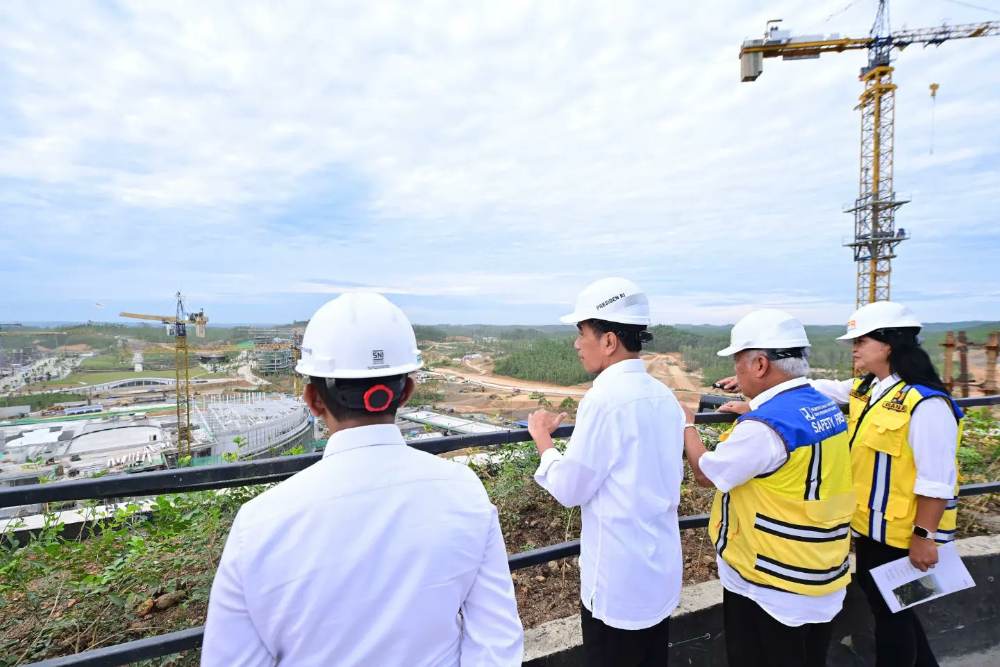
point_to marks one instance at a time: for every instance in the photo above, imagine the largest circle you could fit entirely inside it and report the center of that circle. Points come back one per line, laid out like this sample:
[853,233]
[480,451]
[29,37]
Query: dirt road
[666,367]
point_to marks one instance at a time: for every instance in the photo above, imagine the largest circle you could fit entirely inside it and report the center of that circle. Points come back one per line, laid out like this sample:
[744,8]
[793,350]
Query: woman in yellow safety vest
[904,430]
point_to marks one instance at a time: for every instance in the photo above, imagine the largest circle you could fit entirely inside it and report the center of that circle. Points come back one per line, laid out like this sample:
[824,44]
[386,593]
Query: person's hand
[923,553]
[736,407]
[541,423]
[728,384]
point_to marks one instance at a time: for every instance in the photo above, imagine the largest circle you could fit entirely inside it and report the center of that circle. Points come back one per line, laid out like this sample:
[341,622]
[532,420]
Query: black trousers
[605,646]
[755,639]
[899,638]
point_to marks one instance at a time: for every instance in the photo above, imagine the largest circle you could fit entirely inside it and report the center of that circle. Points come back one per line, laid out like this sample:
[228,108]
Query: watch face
[921,532]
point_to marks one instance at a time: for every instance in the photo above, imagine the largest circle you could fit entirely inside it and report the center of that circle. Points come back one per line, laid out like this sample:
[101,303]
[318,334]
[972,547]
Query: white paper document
[904,586]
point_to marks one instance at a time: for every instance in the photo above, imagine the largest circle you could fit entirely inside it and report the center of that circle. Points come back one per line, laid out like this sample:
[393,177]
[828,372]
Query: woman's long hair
[906,358]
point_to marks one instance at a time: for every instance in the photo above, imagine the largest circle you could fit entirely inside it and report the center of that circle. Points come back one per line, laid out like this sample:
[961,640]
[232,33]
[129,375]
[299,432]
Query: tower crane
[177,327]
[874,210]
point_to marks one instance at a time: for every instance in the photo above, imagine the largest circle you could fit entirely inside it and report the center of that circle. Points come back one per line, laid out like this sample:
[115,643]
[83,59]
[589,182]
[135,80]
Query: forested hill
[552,359]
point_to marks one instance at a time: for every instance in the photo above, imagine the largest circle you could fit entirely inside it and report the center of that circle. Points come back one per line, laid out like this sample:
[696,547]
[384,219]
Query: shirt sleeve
[574,477]
[491,628]
[934,439]
[230,635]
[838,391]
[751,449]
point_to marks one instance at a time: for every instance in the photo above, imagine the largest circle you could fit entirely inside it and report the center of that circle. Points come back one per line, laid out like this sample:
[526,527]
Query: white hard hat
[358,335]
[611,299]
[879,315]
[766,329]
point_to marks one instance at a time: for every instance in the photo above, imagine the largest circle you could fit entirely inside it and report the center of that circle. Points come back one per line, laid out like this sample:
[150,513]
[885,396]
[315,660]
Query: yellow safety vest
[884,468]
[790,529]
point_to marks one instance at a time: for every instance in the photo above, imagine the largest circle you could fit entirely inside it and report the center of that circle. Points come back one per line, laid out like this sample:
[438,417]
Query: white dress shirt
[624,467]
[752,449]
[933,435]
[378,554]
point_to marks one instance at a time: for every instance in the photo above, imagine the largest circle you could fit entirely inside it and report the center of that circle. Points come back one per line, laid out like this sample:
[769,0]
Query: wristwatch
[690,426]
[922,532]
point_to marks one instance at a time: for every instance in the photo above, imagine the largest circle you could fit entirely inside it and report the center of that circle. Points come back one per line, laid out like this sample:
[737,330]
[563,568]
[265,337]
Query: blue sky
[477,164]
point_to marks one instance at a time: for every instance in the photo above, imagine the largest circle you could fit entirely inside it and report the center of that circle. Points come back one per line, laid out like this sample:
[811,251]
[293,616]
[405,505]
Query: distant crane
[875,233]
[177,327]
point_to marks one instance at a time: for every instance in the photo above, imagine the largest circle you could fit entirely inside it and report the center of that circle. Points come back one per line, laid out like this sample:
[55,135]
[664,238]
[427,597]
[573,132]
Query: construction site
[135,441]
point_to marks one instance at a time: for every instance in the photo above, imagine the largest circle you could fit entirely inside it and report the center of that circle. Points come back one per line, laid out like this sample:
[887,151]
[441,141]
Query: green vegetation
[427,393]
[40,401]
[60,596]
[547,360]
[97,377]
[430,333]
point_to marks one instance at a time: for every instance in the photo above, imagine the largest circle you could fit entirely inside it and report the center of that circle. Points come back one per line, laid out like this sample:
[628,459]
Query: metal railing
[277,469]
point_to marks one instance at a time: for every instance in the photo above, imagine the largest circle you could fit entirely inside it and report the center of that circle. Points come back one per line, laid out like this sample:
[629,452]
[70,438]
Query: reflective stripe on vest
[720,542]
[799,532]
[801,575]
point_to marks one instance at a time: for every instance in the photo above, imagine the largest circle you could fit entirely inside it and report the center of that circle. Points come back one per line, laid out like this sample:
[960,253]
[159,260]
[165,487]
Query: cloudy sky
[478,162]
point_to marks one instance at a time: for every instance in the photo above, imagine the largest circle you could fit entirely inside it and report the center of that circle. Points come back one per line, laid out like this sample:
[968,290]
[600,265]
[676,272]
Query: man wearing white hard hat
[623,467]
[905,430]
[378,554]
[781,516]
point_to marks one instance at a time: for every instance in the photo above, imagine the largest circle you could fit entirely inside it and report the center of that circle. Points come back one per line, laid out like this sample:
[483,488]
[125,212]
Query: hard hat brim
[577,317]
[355,373]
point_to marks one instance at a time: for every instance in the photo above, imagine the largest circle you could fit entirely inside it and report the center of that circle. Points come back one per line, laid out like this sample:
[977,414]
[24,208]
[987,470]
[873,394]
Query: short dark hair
[632,336]
[362,397]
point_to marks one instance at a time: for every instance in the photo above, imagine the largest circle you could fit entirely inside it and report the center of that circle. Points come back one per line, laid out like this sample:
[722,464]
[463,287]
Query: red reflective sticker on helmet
[374,390]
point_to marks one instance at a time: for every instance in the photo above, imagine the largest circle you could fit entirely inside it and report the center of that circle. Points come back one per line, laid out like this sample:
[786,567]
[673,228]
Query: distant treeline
[545,360]
[554,359]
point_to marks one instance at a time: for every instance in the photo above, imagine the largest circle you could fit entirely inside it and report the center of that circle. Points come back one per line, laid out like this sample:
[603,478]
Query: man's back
[623,466]
[366,558]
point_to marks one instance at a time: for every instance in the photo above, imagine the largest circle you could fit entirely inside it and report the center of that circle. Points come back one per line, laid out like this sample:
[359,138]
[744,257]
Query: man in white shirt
[378,554]
[781,519]
[624,467]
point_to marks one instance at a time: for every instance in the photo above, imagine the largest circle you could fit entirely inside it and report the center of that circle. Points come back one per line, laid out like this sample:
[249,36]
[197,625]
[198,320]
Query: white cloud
[545,143]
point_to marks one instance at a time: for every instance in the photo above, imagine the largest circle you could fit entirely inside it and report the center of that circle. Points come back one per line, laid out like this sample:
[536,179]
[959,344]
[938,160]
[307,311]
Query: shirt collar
[879,387]
[618,368]
[363,436]
[765,396]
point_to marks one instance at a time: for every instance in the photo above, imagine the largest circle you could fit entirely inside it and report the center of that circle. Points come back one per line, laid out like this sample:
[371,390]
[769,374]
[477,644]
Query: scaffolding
[261,421]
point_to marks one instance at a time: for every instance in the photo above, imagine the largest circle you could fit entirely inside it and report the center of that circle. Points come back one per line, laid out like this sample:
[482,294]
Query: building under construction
[251,424]
[272,350]
[273,358]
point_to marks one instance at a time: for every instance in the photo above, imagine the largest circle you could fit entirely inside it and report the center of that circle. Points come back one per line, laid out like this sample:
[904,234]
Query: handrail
[276,469]
[260,471]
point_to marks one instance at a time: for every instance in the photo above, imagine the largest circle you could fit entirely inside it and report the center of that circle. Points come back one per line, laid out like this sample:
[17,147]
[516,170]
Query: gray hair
[794,367]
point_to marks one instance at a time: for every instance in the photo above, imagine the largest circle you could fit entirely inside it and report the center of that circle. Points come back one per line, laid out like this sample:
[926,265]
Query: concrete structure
[452,423]
[265,423]
[78,448]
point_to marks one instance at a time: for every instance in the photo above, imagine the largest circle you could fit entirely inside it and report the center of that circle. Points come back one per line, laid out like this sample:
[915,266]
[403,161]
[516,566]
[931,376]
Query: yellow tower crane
[177,327]
[875,233]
